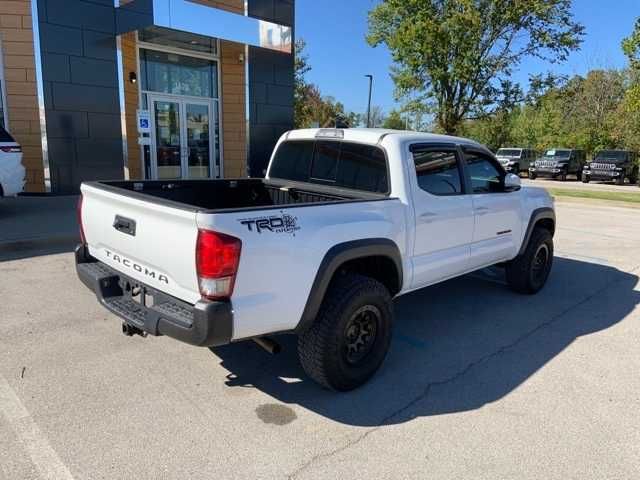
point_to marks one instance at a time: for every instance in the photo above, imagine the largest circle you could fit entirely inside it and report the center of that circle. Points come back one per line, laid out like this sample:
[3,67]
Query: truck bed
[232,195]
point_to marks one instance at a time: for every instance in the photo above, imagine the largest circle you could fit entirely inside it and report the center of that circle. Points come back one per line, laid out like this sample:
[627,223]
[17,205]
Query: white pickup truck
[344,221]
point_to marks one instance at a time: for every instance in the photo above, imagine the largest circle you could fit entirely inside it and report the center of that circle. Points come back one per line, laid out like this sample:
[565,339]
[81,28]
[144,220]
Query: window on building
[166,72]
[438,172]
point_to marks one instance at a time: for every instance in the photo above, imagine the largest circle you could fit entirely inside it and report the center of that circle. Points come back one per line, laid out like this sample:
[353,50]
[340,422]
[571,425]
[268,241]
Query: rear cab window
[334,163]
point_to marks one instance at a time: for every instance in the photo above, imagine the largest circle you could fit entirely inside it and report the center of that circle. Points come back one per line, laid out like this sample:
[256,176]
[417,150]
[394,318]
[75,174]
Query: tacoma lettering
[125,262]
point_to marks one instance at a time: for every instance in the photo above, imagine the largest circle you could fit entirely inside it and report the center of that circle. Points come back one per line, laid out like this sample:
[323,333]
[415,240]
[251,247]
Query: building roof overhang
[192,17]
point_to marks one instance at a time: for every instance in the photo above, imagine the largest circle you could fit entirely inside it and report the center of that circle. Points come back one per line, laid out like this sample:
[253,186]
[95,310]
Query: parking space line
[42,454]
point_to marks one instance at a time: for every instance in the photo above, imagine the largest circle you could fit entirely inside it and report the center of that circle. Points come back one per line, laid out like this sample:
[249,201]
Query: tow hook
[130,330]
[269,345]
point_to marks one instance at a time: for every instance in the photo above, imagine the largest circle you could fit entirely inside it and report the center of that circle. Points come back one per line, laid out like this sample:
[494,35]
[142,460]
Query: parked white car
[11,169]
[344,221]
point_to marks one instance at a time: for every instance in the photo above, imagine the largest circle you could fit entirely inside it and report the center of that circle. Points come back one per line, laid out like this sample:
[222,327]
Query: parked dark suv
[612,166]
[558,163]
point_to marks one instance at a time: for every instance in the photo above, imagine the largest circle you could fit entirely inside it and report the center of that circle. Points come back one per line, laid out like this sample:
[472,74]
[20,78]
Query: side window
[486,176]
[438,172]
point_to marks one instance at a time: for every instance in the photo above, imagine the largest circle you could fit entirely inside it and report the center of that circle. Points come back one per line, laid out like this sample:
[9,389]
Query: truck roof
[373,136]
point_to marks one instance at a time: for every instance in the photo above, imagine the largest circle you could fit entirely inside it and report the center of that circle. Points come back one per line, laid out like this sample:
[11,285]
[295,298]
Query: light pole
[370,77]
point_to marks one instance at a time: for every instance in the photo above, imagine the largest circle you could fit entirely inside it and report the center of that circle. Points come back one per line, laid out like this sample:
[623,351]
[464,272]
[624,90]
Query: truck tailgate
[151,243]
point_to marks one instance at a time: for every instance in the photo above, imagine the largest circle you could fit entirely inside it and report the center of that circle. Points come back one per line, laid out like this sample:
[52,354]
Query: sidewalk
[37,226]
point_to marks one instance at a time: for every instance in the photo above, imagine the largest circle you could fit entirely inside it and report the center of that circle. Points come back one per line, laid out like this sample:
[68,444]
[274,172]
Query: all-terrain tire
[325,347]
[528,272]
[533,176]
[585,178]
[620,180]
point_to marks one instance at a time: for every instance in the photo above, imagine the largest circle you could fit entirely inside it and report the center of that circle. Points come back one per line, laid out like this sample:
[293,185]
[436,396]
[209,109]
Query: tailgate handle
[125,225]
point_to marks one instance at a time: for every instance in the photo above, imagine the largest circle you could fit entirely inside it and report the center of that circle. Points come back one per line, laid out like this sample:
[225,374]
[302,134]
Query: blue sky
[335,29]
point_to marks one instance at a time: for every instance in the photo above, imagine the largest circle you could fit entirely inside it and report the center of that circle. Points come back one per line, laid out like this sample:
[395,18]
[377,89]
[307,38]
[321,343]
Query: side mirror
[512,183]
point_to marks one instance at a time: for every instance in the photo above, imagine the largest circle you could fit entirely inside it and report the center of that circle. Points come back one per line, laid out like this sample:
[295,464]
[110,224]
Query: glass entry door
[181,138]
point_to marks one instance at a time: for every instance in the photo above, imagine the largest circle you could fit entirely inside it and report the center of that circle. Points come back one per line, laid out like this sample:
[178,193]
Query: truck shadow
[457,346]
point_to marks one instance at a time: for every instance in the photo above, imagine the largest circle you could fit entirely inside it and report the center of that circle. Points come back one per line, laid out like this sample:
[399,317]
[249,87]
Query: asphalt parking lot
[479,383]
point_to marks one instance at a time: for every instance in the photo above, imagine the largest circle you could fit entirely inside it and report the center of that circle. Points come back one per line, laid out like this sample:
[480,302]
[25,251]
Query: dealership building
[145,89]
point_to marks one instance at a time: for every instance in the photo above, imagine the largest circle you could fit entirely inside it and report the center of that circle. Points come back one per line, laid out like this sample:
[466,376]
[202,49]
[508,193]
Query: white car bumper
[12,179]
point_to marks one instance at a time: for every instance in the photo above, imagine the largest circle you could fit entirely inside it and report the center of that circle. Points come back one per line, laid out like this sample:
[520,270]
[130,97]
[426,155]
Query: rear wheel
[528,272]
[351,335]
[634,177]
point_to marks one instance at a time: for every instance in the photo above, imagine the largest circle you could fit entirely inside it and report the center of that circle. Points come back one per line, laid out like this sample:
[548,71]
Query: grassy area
[596,195]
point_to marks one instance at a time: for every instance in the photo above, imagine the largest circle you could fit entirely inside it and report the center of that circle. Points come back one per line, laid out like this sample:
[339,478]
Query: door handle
[481,210]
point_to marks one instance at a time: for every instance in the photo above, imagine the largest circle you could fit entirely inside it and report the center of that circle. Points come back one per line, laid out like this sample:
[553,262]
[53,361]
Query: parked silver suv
[516,160]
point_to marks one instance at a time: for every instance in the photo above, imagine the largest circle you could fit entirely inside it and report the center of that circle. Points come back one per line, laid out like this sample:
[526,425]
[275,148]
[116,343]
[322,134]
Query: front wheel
[528,272]
[620,179]
[579,175]
[585,178]
[351,335]
[563,175]
[532,176]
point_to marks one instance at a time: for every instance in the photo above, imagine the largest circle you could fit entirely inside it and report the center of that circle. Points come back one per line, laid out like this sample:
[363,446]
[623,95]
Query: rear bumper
[205,324]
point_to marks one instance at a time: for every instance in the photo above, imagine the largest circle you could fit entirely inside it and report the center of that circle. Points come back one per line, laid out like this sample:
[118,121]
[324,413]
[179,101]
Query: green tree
[394,121]
[631,46]
[456,54]
[302,89]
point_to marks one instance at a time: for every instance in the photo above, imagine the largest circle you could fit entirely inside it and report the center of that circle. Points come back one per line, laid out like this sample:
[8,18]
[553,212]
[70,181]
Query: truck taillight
[217,259]
[83,239]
